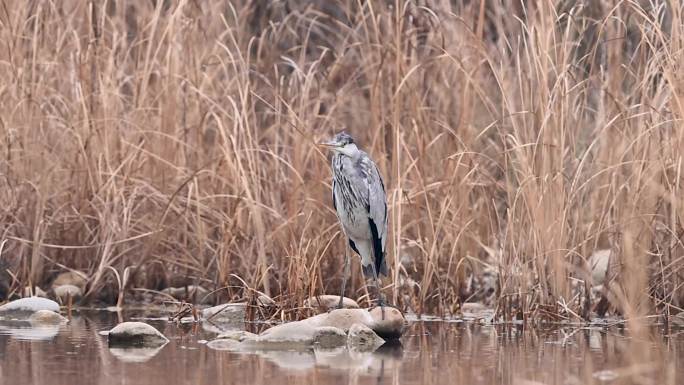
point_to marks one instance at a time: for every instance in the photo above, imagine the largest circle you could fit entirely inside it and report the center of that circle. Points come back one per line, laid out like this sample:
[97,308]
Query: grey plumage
[360,202]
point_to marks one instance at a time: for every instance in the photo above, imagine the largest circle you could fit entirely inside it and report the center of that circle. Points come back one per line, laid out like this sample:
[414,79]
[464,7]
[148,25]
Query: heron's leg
[378,293]
[345,274]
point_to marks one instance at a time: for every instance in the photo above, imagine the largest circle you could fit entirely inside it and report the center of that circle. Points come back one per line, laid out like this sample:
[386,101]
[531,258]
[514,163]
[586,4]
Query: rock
[46,317]
[327,302]
[345,318]
[63,292]
[224,344]
[190,293]
[265,301]
[390,327]
[236,335]
[24,307]
[329,337]
[233,313]
[73,278]
[36,292]
[136,333]
[297,333]
[363,338]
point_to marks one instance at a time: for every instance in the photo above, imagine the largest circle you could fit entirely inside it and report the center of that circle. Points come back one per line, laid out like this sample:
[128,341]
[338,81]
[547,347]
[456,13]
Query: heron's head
[342,143]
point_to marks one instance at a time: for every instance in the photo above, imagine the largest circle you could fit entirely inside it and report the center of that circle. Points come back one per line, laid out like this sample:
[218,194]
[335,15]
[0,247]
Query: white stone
[24,307]
[137,333]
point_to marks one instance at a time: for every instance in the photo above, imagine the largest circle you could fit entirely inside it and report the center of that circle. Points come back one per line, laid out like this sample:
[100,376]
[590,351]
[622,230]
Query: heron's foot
[381,303]
[340,305]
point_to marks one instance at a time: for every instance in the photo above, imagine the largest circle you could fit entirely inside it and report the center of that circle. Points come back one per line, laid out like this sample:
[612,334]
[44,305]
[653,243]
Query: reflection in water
[26,331]
[134,353]
[430,353]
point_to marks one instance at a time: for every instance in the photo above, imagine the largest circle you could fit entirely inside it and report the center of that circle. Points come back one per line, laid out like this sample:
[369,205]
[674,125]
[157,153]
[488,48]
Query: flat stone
[327,302]
[24,307]
[329,337]
[236,335]
[363,338]
[136,333]
[63,292]
[47,317]
[392,326]
[291,333]
[225,313]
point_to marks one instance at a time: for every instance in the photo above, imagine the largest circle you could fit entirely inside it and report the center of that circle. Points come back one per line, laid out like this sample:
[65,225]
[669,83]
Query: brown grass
[149,145]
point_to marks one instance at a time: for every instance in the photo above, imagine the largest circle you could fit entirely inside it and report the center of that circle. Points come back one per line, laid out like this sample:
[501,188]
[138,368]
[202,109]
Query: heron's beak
[328,144]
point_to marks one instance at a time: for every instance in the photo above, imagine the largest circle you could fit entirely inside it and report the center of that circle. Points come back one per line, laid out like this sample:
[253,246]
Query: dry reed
[172,142]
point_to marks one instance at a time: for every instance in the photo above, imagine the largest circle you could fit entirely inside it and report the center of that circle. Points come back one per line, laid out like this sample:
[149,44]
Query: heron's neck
[351,151]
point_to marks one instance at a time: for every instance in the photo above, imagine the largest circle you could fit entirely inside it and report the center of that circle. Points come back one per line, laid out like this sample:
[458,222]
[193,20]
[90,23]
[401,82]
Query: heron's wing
[377,213]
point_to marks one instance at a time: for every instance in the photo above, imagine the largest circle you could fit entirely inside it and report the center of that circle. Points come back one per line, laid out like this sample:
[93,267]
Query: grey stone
[363,338]
[233,313]
[136,333]
[236,335]
[329,337]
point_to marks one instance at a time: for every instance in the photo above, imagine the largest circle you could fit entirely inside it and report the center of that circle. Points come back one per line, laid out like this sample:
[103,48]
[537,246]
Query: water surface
[431,352]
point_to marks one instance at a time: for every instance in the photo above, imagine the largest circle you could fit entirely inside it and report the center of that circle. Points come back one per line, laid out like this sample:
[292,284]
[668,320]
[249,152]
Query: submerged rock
[328,302]
[24,307]
[236,335]
[63,292]
[363,338]
[136,333]
[47,317]
[233,313]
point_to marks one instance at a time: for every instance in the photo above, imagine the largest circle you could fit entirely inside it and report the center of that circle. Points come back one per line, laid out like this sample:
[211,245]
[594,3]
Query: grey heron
[359,199]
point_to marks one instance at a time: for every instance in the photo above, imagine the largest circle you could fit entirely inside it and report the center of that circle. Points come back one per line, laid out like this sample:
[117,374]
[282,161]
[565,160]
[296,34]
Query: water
[430,353]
